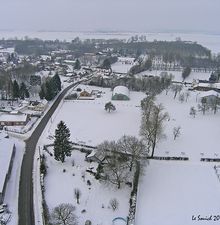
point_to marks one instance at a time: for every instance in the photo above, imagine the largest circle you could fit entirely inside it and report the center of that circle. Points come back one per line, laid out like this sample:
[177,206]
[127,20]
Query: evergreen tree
[106,64]
[15,90]
[23,92]
[49,93]
[186,72]
[42,92]
[77,65]
[62,146]
[56,84]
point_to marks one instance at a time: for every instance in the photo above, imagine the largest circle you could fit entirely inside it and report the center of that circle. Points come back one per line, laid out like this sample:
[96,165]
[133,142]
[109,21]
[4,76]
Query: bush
[114,204]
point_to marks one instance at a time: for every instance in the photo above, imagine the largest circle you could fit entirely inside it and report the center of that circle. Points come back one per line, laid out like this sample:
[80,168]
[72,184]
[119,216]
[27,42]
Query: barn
[120,93]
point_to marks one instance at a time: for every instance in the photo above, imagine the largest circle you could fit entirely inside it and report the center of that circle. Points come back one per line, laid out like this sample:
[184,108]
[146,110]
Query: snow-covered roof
[209,93]
[13,117]
[121,90]
[6,151]
[215,85]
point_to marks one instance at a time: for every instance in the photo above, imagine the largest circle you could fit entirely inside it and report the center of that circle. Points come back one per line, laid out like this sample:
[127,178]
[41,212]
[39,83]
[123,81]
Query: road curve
[25,200]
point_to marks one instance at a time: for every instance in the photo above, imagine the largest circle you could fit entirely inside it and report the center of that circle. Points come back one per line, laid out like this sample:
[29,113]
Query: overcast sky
[124,15]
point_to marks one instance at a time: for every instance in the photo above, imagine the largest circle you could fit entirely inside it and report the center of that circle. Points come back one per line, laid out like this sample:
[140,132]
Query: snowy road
[25,203]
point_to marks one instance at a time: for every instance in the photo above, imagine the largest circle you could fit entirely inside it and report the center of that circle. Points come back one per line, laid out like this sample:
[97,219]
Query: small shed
[120,93]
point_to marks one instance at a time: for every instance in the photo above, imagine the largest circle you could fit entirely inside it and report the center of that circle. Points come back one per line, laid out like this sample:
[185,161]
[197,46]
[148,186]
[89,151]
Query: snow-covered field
[11,195]
[91,124]
[123,65]
[172,193]
[177,75]
[199,135]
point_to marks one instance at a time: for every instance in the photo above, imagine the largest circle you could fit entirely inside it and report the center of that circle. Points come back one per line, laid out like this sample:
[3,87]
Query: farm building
[120,93]
[7,153]
[10,119]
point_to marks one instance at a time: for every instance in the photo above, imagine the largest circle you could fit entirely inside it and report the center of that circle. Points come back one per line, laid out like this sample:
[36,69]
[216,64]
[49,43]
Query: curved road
[25,200]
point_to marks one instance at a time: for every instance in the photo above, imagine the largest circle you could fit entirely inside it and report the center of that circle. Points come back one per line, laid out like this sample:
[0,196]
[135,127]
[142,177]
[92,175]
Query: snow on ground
[11,195]
[171,193]
[94,198]
[123,65]
[91,124]
[177,75]
[199,135]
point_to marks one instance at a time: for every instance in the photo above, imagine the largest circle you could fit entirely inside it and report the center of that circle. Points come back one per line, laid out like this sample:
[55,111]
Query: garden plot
[199,135]
[90,124]
[94,201]
[173,193]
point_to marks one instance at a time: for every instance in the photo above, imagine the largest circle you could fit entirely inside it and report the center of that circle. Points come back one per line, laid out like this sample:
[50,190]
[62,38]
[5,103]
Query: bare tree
[63,215]
[134,148]
[187,94]
[114,204]
[176,89]
[152,127]
[77,194]
[203,106]
[109,107]
[192,112]
[115,167]
[214,104]
[181,97]
[176,132]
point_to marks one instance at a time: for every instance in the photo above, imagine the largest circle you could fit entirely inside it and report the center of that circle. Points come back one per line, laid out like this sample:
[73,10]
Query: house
[120,93]
[95,156]
[7,153]
[210,96]
[85,94]
[38,106]
[13,119]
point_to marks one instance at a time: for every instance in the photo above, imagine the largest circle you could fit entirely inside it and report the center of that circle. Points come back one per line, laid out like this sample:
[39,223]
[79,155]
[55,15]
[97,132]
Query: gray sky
[125,15]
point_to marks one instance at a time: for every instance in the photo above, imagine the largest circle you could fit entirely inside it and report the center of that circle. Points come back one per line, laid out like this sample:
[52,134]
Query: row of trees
[151,85]
[140,66]
[19,91]
[50,88]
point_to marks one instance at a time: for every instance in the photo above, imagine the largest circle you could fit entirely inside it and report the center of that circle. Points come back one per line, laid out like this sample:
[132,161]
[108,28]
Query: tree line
[50,88]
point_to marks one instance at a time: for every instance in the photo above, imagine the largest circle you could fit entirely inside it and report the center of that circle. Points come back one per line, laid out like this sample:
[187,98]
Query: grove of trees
[50,88]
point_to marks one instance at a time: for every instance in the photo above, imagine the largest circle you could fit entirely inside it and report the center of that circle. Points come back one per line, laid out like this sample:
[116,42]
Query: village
[105,93]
